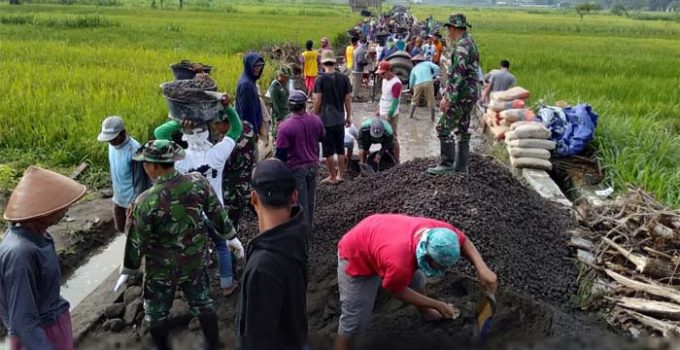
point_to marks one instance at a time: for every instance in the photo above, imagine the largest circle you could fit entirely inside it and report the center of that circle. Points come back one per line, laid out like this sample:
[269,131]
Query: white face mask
[198,140]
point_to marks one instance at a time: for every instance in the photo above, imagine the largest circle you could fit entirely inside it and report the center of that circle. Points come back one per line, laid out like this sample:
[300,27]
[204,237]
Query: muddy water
[88,276]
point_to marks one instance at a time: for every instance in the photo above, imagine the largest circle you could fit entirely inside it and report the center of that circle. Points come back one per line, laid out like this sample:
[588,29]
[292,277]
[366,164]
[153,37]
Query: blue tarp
[572,128]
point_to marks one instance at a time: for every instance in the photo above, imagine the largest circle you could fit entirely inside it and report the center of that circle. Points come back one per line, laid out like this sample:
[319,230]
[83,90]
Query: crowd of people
[188,188]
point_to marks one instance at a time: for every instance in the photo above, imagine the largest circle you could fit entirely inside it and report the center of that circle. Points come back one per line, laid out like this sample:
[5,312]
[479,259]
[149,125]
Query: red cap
[384,66]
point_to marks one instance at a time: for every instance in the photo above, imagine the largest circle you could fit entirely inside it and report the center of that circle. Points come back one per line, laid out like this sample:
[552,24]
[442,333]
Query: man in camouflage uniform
[460,96]
[237,173]
[167,227]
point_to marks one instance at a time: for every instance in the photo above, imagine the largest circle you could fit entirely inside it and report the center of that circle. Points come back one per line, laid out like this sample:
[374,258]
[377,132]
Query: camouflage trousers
[455,121]
[160,293]
[274,127]
[236,200]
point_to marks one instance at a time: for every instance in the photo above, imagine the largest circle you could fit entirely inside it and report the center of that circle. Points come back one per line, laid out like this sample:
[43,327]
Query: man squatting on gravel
[397,252]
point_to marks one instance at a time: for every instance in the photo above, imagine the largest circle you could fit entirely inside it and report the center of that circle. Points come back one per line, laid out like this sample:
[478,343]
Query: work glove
[121,282]
[235,245]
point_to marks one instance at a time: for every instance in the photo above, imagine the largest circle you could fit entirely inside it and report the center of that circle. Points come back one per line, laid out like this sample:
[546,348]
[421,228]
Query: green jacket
[279,96]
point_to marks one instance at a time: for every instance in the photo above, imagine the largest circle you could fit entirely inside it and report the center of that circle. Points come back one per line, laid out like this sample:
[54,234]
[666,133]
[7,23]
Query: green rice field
[66,67]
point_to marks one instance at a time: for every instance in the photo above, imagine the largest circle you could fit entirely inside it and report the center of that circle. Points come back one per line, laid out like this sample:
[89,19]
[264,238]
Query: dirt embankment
[87,227]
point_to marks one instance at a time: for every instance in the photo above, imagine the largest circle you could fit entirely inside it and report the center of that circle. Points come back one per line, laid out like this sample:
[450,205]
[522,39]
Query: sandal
[328,180]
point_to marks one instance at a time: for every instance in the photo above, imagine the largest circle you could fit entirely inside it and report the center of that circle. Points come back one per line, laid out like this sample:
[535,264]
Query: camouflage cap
[457,20]
[285,71]
[159,151]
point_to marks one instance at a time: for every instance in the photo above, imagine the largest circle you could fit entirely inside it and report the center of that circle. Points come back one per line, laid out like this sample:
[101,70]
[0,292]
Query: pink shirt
[385,245]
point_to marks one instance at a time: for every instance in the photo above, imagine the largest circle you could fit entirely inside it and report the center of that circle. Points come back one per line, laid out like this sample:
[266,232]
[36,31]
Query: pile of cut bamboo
[632,251]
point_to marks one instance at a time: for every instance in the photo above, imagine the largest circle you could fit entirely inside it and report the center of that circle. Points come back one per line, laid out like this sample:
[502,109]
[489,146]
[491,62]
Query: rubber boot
[160,335]
[432,113]
[462,156]
[448,149]
[411,111]
[210,330]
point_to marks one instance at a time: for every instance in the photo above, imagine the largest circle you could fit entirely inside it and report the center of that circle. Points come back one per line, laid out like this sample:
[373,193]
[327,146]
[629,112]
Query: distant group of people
[189,187]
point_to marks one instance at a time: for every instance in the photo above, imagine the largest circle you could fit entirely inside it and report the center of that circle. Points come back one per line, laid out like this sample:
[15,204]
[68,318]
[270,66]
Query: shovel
[484,316]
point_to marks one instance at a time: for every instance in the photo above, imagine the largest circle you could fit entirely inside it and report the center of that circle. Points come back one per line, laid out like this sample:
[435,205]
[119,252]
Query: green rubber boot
[462,156]
[160,335]
[448,149]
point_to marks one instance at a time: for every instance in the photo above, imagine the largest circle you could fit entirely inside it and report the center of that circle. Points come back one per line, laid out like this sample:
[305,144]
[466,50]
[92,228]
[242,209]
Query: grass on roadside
[63,77]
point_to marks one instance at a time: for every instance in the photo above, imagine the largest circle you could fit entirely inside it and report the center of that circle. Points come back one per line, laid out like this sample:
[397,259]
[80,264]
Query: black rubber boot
[411,111]
[160,335]
[210,330]
[462,156]
[445,166]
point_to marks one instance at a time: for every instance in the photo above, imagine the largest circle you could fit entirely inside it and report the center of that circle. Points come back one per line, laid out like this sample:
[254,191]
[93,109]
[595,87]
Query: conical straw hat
[41,193]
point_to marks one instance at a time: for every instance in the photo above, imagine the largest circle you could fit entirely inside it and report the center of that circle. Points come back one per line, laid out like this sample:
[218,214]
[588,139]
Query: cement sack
[538,153]
[530,163]
[529,122]
[499,106]
[515,93]
[528,132]
[533,143]
[498,131]
[516,115]
[491,118]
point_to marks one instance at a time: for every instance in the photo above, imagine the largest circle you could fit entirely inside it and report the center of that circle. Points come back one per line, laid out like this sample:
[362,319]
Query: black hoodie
[273,303]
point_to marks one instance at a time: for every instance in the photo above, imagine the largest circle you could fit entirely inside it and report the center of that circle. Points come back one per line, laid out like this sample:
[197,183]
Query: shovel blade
[484,316]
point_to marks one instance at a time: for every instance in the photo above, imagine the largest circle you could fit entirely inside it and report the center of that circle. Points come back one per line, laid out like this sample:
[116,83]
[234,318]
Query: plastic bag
[572,128]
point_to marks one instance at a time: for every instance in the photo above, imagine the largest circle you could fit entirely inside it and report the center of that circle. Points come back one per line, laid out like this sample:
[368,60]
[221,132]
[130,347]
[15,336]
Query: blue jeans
[223,257]
[305,179]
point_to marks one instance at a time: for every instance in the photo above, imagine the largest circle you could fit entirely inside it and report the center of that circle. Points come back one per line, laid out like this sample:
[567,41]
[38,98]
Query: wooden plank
[659,308]
[667,329]
[653,289]
[638,260]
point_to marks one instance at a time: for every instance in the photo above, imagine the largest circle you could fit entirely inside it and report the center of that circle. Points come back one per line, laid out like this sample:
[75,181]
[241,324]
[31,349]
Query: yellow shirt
[311,68]
[349,56]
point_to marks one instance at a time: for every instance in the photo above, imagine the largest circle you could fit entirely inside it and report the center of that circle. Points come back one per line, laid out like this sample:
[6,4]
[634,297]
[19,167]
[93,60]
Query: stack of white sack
[507,107]
[529,145]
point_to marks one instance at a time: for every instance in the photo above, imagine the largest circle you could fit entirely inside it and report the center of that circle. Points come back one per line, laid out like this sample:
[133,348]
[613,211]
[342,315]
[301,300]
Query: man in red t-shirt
[398,252]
